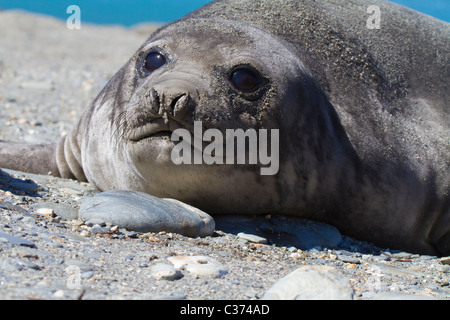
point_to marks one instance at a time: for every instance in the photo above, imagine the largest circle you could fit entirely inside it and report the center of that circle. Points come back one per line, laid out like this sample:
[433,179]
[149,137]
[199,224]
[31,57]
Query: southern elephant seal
[362,116]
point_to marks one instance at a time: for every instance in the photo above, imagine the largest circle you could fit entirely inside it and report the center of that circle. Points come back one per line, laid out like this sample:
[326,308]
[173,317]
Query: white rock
[311,283]
[200,266]
[47,212]
[251,238]
[165,271]
[59,294]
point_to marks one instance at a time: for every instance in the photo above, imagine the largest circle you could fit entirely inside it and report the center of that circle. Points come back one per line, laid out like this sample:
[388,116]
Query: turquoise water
[129,12]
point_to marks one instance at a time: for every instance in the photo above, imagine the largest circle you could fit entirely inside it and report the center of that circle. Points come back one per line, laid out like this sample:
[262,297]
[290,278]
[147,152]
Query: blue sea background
[129,12]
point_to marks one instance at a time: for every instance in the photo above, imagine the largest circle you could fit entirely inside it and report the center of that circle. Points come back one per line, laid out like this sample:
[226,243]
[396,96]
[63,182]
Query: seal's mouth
[156,128]
[149,135]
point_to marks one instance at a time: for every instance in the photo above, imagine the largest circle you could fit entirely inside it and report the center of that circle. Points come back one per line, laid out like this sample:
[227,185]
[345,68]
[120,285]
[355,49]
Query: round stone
[142,212]
[165,271]
[311,283]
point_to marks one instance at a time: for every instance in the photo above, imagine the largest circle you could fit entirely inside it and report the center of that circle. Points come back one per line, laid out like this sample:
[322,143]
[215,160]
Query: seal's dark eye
[153,61]
[245,80]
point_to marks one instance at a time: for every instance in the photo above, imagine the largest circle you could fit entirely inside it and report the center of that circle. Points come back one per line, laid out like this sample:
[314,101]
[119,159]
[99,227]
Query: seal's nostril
[182,106]
[154,97]
[153,101]
[174,102]
[178,102]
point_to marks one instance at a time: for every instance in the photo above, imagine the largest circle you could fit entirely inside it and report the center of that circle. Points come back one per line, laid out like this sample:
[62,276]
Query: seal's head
[224,74]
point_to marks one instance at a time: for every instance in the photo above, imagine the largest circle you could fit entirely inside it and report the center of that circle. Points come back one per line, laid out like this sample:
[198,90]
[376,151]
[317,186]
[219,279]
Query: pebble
[27,185]
[16,241]
[311,283]
[28,264]
[348,259]
[137,211]
[165,271]
[199,266]
[443,267]
[97,230]
[93,222]
[60,294]
[251,237]
[62,210]
[46,212]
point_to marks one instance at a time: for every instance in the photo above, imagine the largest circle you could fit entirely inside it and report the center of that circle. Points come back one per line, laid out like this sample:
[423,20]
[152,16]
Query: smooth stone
[311,283]
[251,237]
[445,268]
[93,222]
[348,259]
[9,175]
[130,234]
[29,220]
[64,211]
[200,266]
[19,184]
[97,230]
[24,252]
[165,271]
[443,265]
[28,264]
[16,241]
[60,294]
[21,211]
[402,255]
[72,187]
[142,212]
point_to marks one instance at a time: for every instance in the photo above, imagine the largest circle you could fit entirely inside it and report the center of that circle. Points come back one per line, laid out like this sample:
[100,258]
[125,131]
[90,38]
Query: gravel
[48,75]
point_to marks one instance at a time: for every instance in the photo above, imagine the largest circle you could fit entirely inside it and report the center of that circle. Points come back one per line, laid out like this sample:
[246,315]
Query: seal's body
[362,115]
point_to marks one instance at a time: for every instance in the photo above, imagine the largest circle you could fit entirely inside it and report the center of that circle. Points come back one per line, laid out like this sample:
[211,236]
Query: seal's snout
[171,104]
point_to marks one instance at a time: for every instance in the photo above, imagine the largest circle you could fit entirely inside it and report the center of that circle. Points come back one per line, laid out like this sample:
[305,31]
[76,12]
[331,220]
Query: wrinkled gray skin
[363,118]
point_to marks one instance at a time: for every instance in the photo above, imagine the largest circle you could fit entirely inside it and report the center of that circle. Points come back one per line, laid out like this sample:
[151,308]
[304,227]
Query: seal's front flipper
[38,159]
[61,159]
